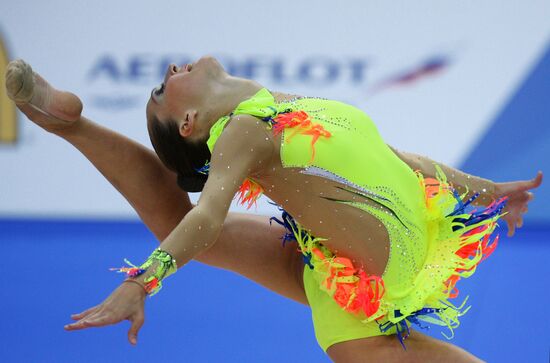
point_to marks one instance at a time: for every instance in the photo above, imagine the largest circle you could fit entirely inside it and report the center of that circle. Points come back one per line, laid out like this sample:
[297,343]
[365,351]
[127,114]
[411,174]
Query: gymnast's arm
[460,180]
[241,150]
[238,153]
[518,192]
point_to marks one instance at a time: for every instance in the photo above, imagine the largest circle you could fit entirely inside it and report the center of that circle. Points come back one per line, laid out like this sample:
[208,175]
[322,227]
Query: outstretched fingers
[137,322]
[95,319]
[125,303]
[519,223]
[530,184]
[515,188]
[537,181]
[519,195]
[511,228]
[85,313]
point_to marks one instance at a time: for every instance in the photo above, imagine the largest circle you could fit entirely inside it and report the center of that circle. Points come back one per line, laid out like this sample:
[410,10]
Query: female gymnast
[385,235]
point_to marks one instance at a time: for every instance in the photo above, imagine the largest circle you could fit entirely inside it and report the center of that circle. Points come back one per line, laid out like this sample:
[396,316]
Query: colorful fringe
[166,265]
[461,240]
[249,192]
[132,271]
[475,226]
[287,222]
[301,123]
[205,169]
[402,327]
[350,287]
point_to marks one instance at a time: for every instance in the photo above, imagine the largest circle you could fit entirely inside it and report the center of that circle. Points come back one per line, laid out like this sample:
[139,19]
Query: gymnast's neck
[226,95]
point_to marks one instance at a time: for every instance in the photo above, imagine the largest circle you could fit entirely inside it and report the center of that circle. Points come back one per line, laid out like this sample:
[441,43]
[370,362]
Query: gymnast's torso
[334,174]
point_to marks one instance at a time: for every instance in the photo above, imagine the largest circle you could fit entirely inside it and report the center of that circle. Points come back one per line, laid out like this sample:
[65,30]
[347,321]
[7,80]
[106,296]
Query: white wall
[113,53]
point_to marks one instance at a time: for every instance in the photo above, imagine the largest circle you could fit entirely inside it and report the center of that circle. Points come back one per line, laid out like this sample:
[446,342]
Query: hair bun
[192,183]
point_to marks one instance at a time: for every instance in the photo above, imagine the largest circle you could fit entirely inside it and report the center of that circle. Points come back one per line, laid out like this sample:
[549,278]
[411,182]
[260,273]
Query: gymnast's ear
[187,126]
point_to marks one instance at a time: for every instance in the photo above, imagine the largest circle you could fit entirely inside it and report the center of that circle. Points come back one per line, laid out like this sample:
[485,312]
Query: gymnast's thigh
[420,348]
[252,247]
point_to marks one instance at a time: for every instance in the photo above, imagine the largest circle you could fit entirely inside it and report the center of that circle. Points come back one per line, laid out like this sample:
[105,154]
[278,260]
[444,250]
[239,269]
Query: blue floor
[54,268]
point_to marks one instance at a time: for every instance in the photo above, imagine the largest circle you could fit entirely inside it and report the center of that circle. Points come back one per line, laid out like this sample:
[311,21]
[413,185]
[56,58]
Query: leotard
[434,241]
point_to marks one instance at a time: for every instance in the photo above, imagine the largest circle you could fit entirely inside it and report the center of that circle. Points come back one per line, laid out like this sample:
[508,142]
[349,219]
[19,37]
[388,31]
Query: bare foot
[30,91]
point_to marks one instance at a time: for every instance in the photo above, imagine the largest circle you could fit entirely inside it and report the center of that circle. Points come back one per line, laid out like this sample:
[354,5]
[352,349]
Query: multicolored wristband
[163,266]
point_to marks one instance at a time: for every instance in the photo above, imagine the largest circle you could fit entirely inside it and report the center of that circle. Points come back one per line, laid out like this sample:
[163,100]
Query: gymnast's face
[183,95]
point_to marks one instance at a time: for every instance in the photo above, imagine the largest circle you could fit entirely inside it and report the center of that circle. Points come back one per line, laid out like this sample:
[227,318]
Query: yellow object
[8,118]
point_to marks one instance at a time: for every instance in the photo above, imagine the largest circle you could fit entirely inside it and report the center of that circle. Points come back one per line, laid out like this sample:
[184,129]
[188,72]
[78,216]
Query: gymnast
[383,235]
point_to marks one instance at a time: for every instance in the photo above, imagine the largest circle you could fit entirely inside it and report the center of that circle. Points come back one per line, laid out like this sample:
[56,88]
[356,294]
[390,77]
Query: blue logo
[136,74]
[313,70]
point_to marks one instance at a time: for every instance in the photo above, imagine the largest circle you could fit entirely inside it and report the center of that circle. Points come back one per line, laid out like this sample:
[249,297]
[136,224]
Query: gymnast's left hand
[519,195]
[125,303]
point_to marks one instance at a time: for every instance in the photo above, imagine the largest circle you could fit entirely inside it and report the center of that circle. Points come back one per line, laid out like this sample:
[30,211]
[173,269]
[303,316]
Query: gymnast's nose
[173,69]
[170,71]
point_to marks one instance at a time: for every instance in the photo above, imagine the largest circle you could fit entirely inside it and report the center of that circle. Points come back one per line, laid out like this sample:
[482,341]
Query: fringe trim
[165,266]
[249,192]
[463,237]
[352,288]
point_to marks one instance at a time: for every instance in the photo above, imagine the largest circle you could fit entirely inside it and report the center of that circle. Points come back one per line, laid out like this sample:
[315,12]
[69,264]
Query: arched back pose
[384,246]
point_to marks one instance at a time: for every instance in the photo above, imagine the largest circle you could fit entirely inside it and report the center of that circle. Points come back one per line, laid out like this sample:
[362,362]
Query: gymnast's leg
[420,348]
[247,245]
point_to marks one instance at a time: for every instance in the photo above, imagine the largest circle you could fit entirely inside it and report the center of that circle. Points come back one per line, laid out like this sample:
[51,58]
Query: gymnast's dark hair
[179,154]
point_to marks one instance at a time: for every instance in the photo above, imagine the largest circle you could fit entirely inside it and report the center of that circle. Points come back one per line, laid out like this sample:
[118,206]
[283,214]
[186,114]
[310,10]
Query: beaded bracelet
[165,266]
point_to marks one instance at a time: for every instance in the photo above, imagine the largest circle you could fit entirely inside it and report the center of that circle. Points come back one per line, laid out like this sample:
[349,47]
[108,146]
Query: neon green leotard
[427,255]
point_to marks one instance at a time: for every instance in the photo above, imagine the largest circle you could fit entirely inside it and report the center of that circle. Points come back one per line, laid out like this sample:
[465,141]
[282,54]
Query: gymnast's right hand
[125,303]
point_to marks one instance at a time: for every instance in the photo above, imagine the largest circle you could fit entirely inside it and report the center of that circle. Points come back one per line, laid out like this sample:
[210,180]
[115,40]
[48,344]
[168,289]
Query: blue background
[517,143]
[55,268]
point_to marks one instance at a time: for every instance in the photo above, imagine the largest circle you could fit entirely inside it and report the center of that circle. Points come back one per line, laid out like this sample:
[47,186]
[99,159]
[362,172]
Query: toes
[19,81]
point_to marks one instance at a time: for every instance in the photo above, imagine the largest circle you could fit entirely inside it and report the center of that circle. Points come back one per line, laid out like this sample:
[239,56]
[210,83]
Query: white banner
[431,74]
